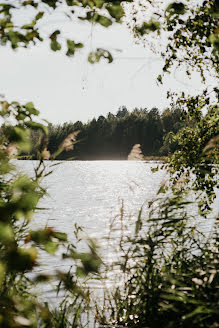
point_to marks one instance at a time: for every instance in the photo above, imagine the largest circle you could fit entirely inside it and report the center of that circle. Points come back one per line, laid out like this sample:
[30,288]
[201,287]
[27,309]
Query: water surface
[91,194]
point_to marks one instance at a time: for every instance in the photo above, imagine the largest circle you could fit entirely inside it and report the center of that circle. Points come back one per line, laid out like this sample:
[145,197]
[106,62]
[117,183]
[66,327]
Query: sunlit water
[91,194]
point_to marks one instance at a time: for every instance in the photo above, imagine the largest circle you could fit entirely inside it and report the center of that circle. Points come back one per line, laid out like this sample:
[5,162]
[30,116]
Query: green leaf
[72,46]
[37,126]
[6,233]
[30,109]
[15,39]
[22,259]
[21,116]
[214,39]
[55,46]
[5,110]
[104,21]
[99,3]
[70,2]
[53,36]
[95,57]
[116,11]
[40,236]
[159,79]
[21,137]
[39,15]
[29,26]
[138,224]
[177,8]
[161,190]
[61,236]
[147,27]
[2,273]
[154,169]
[51,247]
[51,3]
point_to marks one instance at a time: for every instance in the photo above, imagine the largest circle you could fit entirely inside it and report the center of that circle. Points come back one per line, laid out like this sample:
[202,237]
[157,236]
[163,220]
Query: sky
[71,89]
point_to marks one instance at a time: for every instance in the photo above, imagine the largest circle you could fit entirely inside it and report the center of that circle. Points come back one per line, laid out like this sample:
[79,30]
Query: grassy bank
[156,158]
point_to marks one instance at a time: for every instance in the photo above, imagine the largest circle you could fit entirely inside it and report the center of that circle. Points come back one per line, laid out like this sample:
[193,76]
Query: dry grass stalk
[12,150]
[136,153]
[45,152]
[68,142]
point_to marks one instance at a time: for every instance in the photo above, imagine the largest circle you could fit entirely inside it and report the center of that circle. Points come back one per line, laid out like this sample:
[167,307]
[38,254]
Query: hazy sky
[71,89]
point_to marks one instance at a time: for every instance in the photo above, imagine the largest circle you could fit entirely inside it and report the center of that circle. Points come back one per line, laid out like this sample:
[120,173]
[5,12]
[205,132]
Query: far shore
[146,158]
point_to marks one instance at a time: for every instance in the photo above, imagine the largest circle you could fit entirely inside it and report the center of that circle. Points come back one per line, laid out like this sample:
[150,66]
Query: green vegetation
[113,137]
[170,267]
[20,246]
[17,34]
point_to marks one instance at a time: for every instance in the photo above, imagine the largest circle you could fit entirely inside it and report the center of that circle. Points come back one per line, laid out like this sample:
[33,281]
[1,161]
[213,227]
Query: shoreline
[145,158]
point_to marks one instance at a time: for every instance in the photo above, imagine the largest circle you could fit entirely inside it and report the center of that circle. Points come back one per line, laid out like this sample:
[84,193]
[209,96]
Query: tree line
[113,136]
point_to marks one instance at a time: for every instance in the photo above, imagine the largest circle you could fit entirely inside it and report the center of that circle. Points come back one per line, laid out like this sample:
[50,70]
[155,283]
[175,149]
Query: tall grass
[170,272]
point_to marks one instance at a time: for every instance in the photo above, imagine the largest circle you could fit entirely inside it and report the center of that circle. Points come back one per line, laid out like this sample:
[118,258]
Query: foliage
[198,155]
[172,278]
[113,136]
[191,30]
[170,266]
[196,32]
[18,34]
[20,246]
[170,272]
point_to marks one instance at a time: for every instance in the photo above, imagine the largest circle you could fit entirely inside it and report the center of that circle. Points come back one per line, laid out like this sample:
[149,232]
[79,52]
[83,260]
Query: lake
[91,194]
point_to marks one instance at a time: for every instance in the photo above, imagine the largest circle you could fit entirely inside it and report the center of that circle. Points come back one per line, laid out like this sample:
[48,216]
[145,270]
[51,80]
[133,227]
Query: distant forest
[113,136]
